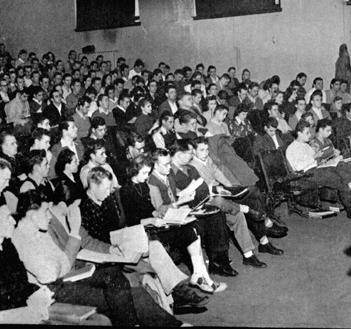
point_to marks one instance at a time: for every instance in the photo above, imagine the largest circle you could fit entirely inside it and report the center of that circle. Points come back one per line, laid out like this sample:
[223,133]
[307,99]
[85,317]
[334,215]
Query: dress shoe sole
[271,253]
[255,266]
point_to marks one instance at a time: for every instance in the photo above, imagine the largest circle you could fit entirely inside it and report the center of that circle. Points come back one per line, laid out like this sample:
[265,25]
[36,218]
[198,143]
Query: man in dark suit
[56,111]
[170,104]
[270,140]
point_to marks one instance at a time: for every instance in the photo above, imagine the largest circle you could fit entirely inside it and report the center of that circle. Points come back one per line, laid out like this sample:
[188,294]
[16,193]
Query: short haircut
[123,96]
[159,152]
[223,94]
[169,87]
[241,87]
[84,99]
[211,98]
[268,106]
[181,145]
[316,93]
[179,71]
[142,160]
[323,123]
[301,125]
[271,122]
[119,81]
[93,146]
[195,82]
[306,115]
[97,175]
[35,157]
[301,75]
[97,121]
[4,134]
[225,76]
[38,133]
[317,79]
[253,85]
[199,140]
[76,81]
[220,108]
[337,98]
[65,156]
[52,93]
[200,65]
[165,116]
[139,62]
[91,90]
[196,92]
[184,116]
[36,90]
[64,125]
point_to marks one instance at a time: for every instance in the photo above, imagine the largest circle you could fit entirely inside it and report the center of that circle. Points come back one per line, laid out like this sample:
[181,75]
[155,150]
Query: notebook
[131,257]
[178,216]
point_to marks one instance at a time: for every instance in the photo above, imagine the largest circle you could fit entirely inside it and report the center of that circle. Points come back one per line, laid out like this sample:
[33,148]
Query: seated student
[300,109]
[80,117]
[270,140]
[301,79]
[321,143]
[68,187]
[38,170]
[41,141]
[342,125]
[136,191]
[217,181]
[56,111]
[99,222]
[48,260]
[210,228]
[272,110]
[318,111]
[336,107]
[36,104]
[95,155]
[240,126]
[210,106]
[8,151]
[302,156]
[186,105]
[73,97]
[287,108]
[69,139]
[170,104]
[104,111]
[308,117]
[217,125]
[164,135]
[317,85]
[92,94]
[185,125]
[343,92]
[256,102]
[43,122]
[197,98]
[239,98]
[145,121]
[119,112]
[333,91]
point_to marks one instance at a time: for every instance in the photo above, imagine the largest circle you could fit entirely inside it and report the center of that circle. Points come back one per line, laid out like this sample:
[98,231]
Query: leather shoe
[222,270]
[270,249]
[184,296]
[276,231]
[254,261]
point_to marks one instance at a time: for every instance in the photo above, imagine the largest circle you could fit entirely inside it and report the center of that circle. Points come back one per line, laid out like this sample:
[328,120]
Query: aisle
[306,287]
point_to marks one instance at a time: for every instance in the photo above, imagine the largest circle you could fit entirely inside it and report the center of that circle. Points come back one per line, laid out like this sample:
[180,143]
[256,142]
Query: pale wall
[305,36]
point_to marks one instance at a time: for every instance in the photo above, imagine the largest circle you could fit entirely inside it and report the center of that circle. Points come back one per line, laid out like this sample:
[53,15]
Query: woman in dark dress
[69,186]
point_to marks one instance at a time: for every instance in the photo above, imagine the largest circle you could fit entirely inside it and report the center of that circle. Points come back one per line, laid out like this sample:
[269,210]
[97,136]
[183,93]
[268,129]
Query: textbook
[75,275]
[70,313]
[98,257]
[178,216]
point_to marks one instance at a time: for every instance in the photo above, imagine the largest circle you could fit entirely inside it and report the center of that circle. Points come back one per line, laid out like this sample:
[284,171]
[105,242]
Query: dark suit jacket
[164,107]
[266,143]
[51,112]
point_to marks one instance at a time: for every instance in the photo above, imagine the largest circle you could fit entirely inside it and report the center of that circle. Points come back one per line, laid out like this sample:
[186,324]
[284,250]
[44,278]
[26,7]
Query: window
[106,14]
[226,8]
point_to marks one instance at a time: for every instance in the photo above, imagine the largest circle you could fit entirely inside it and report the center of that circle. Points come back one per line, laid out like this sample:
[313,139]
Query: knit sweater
[43,259]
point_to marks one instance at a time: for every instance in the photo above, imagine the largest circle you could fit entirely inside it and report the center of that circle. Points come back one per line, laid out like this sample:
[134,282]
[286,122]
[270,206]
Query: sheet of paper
[176,215]
[133,238]
[97,257]
[191,188]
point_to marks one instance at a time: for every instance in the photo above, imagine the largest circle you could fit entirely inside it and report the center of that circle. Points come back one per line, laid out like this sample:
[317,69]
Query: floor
[306,287]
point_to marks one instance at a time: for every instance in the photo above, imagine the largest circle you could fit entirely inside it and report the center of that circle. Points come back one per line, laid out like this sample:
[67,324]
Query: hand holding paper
[40,301]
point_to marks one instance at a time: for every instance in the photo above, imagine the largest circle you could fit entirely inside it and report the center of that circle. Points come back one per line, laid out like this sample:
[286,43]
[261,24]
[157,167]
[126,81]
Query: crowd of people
[87,148]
